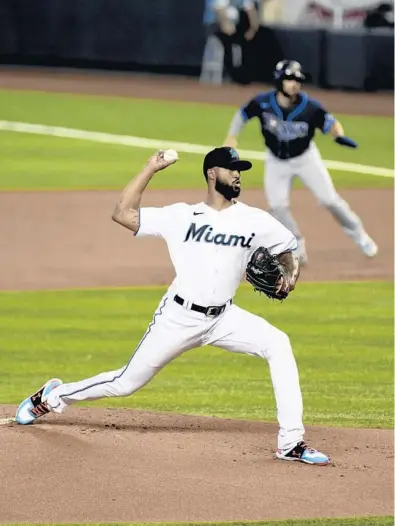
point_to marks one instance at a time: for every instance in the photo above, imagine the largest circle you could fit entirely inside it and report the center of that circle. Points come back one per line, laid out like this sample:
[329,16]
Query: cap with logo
[225,157]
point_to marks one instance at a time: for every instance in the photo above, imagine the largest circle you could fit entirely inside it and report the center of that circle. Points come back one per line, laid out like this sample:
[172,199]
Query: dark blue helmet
[288,70]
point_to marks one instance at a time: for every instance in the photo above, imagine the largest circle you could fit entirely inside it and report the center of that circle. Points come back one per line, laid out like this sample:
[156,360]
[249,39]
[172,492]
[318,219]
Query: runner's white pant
[311,170]
[175,330]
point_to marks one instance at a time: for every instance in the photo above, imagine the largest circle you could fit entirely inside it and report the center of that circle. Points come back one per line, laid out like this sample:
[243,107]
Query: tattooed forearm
[291,265]
[127,218]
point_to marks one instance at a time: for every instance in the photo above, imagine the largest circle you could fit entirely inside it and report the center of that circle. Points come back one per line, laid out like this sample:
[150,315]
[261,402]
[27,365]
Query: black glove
[346,141]
[264,272]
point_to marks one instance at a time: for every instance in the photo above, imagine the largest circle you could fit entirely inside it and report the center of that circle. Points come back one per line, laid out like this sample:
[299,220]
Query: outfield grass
[342,336]
[46,162]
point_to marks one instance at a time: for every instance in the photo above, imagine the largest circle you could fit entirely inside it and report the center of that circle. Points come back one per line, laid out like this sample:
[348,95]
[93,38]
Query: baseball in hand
[170,155]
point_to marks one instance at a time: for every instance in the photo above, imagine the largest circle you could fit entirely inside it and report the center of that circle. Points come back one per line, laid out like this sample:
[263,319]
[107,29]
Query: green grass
[342,336]
[354,521]
[38,162]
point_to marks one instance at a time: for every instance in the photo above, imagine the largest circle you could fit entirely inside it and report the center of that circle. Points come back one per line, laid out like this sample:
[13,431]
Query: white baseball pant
[311,170]
[175,330]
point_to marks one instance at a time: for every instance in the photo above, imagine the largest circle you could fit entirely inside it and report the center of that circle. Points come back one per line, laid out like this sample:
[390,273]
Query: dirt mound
[124,465]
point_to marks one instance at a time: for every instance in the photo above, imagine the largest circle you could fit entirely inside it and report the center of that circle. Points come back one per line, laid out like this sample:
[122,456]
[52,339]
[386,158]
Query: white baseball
[170,155]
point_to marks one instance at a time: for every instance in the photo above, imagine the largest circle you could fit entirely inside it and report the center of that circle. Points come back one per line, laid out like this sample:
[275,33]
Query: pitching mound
[123,465]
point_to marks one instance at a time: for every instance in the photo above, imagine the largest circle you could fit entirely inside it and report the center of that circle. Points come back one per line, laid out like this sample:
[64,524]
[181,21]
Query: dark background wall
[146,32]
[168,36]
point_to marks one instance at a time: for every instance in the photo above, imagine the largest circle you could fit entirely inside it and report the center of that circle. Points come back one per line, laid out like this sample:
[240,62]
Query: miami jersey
[209,248]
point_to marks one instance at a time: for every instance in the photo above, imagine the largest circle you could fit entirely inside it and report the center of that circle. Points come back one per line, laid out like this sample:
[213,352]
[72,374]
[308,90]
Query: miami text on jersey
[205,233]
[285,130]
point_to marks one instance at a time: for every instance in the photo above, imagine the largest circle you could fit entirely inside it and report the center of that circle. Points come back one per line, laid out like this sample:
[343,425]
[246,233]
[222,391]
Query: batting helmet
[288,70]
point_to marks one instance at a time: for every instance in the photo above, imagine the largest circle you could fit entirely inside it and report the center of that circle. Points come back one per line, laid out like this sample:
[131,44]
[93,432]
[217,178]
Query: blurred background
[341,43]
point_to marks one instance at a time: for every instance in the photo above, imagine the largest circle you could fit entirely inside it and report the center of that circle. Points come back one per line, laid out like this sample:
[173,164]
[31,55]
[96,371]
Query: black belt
[208,311]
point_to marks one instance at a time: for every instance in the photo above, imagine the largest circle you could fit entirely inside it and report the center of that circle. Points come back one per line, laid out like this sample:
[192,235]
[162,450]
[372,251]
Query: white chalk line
[7,421]
[155,144]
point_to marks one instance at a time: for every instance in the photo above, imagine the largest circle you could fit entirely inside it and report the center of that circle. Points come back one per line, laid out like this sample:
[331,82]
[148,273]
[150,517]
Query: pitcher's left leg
[240,331]
[316,177]
[243,332]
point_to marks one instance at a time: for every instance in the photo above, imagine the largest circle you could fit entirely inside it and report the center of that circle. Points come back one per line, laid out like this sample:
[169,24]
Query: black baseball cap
[225,157]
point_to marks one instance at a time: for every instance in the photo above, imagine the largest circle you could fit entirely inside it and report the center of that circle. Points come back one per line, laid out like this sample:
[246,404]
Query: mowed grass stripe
[156,144]
[185,122]
[342,335]
[35,162]
[159,288]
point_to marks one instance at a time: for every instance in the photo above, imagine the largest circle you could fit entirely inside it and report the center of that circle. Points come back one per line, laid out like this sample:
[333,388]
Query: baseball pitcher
[288,119]
[211,245]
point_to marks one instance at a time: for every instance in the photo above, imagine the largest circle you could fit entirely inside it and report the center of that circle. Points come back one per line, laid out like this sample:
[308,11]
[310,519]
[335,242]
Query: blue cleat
[302,453]
[35,405]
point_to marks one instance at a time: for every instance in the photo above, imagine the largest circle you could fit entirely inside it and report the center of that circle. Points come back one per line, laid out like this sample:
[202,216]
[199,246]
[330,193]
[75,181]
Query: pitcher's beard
[227,190]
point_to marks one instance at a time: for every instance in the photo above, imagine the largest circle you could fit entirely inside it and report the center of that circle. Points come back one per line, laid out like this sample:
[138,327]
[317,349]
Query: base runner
[288,120]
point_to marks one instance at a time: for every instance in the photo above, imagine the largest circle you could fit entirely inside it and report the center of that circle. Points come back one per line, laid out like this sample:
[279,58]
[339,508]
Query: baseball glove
[264,272]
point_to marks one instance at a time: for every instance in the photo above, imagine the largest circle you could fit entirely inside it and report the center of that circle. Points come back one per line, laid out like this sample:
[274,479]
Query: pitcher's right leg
[163,341]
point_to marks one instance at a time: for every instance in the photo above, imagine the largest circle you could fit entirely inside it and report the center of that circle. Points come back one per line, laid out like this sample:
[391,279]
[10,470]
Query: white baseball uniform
[209,250]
